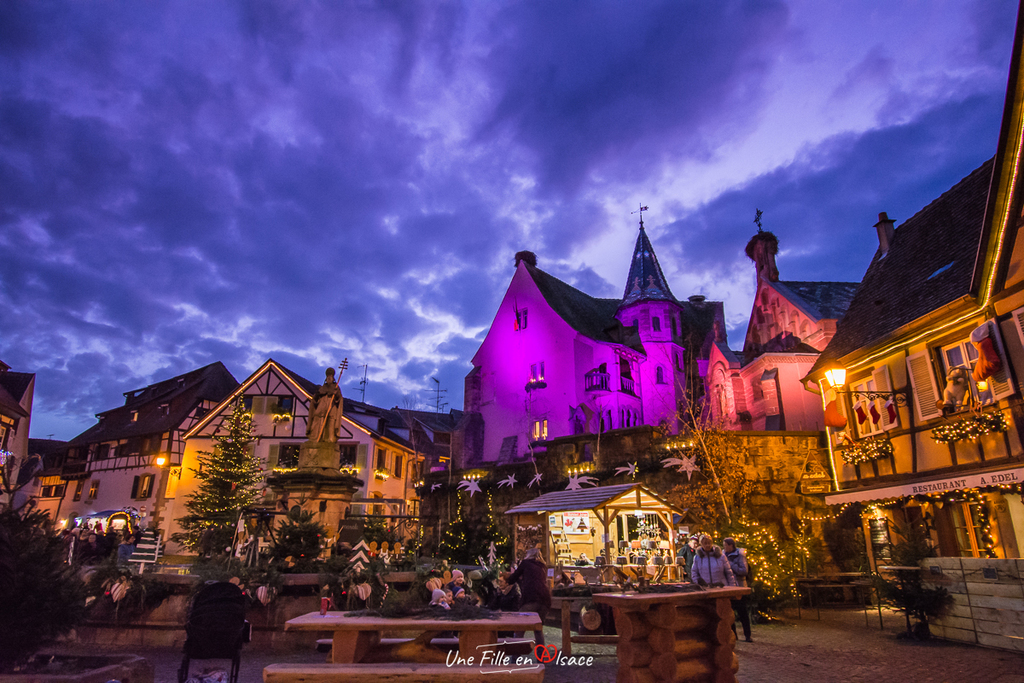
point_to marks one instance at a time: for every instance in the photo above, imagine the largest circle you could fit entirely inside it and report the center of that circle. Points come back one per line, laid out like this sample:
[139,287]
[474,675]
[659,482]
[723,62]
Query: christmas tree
[299,539]
[229,480]
[455,540]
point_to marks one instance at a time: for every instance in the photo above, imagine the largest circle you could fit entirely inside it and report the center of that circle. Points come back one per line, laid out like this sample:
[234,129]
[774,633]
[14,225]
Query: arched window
[661,375]
[656,324]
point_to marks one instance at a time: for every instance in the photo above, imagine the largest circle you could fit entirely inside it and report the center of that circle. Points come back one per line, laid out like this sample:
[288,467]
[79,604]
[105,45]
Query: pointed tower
[648,306]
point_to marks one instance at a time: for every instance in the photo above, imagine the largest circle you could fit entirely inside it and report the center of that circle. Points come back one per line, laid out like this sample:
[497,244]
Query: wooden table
[358,639]
[675,636]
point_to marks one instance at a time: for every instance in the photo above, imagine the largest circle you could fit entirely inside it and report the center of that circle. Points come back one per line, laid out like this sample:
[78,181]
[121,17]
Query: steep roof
[380,421]
[587,315]
[930,264]
[592,498]
[645,282]
[308,386]
[16,383]
[830,300]
[181,394]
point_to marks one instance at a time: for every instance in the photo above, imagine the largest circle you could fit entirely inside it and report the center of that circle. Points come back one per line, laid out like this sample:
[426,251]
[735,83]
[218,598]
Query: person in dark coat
[738,562]
[532,577]
[688,552]
[506,598]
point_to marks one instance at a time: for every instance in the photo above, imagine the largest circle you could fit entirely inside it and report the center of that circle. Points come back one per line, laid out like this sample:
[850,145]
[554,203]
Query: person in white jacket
[710,566]
[738,561]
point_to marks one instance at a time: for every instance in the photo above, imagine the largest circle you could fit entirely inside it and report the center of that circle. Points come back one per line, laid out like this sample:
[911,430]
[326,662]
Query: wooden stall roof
[620,496]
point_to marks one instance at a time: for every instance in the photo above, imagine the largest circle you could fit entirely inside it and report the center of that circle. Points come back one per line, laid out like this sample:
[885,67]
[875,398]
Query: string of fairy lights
[971,428]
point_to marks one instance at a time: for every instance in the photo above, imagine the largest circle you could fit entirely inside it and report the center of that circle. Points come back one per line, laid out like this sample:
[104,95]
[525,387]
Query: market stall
[625,525]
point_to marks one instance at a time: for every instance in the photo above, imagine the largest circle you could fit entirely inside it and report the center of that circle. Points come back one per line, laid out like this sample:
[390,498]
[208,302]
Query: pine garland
[970,428]
[229,479]
[866,450]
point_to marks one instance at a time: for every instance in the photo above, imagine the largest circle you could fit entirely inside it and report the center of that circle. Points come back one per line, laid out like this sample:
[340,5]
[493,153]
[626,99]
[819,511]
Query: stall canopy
[606,502]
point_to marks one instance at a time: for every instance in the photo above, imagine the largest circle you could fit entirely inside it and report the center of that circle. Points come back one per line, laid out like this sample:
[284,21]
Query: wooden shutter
[925,390]
[274,455]
[1000,383]
[135,488]
[259,405]
[361,451]
[1018,322]
[883,382]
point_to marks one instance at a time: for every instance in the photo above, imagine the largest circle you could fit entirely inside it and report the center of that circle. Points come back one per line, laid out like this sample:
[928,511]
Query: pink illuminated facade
[557,362]
[760,388]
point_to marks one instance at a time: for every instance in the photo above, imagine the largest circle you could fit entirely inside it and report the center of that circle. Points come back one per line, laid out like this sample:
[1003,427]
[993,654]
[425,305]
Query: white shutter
[1018,322]
[259,405]
[361,451]
[883,382]
[273,455]
[925,390]
[1000,383]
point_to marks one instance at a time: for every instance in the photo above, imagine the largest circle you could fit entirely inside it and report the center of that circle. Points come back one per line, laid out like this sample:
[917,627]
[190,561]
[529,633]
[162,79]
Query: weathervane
[641,212]
[757,219]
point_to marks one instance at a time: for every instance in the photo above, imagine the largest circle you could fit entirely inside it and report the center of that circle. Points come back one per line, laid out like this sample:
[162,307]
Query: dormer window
[135,416]
[165,409]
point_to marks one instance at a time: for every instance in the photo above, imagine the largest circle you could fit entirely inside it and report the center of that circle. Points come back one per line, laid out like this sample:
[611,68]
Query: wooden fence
[988,600]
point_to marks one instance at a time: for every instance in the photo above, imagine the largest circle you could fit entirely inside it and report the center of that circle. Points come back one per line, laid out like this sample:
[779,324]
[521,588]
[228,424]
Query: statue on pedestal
[325,411]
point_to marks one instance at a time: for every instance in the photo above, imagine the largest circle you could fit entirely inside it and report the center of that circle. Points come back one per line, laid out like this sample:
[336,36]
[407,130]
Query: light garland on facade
[582,468]
[383,475]
[971,428]
[866,450]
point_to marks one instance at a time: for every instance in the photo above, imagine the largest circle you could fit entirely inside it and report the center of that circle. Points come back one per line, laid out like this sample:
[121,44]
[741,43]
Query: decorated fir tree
[299,541]
[229,480]
[455,545]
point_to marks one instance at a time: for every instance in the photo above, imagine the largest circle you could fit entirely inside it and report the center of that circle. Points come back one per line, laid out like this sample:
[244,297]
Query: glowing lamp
[983,385]
[836,377]
[161,460]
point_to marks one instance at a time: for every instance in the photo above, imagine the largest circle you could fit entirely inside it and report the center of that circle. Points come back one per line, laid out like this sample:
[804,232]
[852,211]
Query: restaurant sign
[967,481]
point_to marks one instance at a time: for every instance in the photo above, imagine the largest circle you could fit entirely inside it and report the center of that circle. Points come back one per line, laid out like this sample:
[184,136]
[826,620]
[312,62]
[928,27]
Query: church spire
[646,282]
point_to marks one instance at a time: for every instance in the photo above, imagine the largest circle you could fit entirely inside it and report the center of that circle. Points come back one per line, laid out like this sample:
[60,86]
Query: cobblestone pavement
[838,648]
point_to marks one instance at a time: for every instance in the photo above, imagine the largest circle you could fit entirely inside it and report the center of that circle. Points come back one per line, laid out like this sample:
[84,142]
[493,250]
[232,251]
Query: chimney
[885,229]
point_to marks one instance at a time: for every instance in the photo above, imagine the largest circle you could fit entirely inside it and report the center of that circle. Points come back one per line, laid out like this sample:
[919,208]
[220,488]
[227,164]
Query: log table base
[675,636]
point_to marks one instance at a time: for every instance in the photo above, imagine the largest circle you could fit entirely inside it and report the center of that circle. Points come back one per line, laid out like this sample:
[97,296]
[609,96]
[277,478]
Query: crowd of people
[91,544]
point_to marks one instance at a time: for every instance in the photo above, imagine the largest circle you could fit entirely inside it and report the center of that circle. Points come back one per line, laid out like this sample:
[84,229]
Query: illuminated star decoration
[434,487]
[577,482]
[630,469]
[470,485]
[688,465]
[509,482]
[535,480]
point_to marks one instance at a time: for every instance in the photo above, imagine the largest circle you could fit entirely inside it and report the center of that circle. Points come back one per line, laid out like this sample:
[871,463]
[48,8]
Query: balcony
[597,381]
[626,386]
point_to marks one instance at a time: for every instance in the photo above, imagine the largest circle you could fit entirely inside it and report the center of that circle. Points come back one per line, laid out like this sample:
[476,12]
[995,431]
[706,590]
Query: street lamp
[836,377]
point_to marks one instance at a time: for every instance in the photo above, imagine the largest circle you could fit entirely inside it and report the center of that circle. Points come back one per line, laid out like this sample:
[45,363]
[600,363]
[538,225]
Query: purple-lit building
[558,363]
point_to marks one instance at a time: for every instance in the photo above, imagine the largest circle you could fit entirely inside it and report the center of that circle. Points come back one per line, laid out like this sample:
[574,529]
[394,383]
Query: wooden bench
[412,672]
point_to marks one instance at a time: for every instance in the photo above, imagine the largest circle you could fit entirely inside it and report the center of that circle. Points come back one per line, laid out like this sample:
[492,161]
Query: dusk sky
[188,182]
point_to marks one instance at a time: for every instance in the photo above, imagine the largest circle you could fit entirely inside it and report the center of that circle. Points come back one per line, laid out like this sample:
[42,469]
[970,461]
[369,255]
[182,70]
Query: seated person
[506,598]
[584,561]
[439,598]
[457,585]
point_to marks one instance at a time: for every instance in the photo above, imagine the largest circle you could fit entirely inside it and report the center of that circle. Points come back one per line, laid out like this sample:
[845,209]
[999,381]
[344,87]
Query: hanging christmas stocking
[859,411]
[890,411]
[989,362]
[875,415]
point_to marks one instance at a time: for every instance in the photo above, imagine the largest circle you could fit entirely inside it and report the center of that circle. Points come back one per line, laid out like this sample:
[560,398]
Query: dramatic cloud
[186,182]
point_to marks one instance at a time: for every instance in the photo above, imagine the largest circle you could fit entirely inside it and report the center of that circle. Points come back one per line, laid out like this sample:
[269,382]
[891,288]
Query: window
[656,324]
[867,413]
[79,485]
[142,487]
[521,318]
[540,430]
[288,457]
[94,489]
[103,451]
[672,320]
[51,487]
[537,372]
[285,405]
[965,355]
[660,375]
[135,416]
[967,527]
[165,409]
[398,465]
[348,455]
[382,459]
[247,403]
